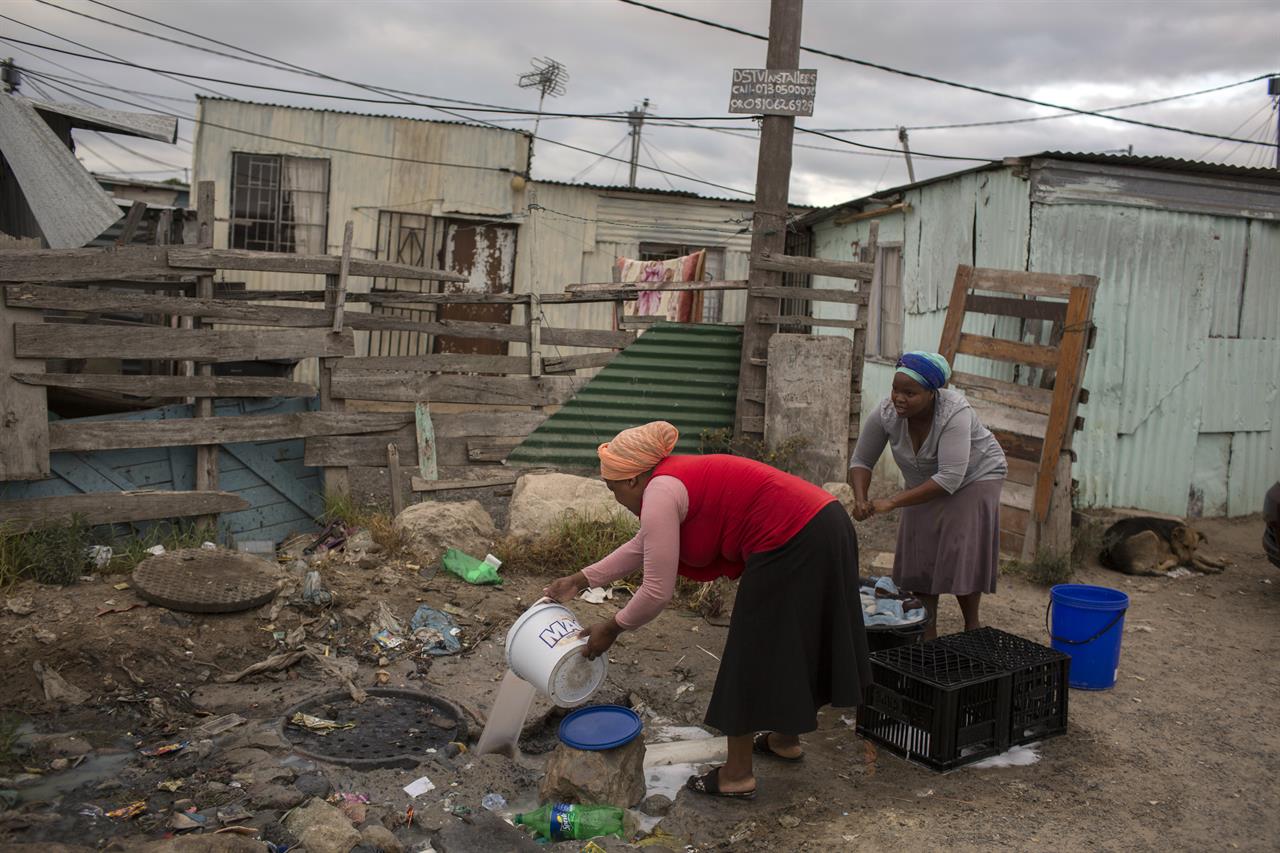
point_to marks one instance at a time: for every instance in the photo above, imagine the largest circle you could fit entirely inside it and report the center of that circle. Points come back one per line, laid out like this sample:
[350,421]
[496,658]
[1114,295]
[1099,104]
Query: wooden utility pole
[769,224]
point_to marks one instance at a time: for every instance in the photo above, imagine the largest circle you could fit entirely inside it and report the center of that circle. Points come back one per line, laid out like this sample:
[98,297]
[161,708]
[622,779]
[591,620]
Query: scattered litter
[165,749]
[100,556]
[56,688]
[128,812]
[233,814]
[120,586]
[848,721]
[713,654]
[170,785]
[384,621]
[419,786]
[261,547]
[469,568]
[1016,756]
[789,821]
[90,810]
[596,595]
[111,608]
[313,591]
[208,546]
[156,550]
[1179,572]
[183,821]
[353,805]
[1146,629]
[684,688]
[21,606]
[494,802]
[318,725]
[436,631]
[387,640]
[240,830]
[277,662]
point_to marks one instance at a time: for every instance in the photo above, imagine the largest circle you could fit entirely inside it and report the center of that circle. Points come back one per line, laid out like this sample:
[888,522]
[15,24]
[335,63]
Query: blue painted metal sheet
[683,373]
[284,495]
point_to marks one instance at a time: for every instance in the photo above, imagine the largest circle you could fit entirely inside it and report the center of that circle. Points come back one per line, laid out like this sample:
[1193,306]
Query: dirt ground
[1181,754]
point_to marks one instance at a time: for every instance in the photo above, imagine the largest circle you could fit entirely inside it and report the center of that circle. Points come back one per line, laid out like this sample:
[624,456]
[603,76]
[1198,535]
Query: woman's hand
[600,637]
[566,588]
[883,505]
[862,509]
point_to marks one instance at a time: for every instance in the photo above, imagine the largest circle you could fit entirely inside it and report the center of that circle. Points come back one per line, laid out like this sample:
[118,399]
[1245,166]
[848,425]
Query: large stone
[433,526]
[223,843]
[321,828]
[268,795]
[378,837]
[484,833]
[843,493]
[603,777]
[541,500]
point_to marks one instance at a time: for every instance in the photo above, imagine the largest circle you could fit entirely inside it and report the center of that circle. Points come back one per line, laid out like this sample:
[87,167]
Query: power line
[951,83]
[1236,129]
[914,153]
[654,158]
[600,159]
[138,154]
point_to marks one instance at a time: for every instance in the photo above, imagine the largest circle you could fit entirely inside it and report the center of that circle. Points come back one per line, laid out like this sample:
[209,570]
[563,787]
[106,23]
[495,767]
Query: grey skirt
[951,545]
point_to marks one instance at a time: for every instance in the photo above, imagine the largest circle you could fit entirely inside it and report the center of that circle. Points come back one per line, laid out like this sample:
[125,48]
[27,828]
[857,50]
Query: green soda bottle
[566,822]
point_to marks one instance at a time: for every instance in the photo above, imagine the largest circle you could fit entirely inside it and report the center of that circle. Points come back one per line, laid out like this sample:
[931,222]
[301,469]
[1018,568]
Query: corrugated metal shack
[1184,406]
[446,194]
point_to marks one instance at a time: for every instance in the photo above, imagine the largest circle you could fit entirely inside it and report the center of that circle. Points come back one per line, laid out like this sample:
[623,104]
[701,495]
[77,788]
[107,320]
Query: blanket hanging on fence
[676,306]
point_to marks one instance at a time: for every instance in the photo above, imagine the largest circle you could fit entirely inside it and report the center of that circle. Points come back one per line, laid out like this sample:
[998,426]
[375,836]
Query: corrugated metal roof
[363,115]
[683,373]
[146,125]
[67,203]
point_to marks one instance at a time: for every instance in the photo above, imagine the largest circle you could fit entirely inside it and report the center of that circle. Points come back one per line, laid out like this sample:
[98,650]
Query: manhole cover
[392,728]
[198,580]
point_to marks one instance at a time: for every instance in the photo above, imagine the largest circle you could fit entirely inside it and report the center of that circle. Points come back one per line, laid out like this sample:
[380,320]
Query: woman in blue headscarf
[953,468]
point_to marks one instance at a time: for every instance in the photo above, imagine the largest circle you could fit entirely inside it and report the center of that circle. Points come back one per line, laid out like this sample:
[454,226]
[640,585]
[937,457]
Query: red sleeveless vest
[737,507]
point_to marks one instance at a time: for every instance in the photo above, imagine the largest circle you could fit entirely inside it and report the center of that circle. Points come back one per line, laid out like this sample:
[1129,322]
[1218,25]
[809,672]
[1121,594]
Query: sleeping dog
[1152,546]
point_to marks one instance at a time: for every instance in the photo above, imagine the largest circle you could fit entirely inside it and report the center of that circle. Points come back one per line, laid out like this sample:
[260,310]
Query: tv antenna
[549,78]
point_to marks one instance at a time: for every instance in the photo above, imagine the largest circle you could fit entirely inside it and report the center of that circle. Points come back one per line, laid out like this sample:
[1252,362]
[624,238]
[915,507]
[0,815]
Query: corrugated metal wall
[683,373]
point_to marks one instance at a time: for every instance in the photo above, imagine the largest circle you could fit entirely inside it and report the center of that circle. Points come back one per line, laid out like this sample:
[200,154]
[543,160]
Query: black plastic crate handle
[1108,627]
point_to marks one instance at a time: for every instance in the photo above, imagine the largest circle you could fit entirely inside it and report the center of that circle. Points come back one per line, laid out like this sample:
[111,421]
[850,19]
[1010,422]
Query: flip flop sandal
[760,745]
[709,783]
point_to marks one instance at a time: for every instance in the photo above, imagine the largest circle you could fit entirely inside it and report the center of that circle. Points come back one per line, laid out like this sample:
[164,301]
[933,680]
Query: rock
[788,821]
[245,756]
[59,764]
[540,500]
[263,738]
[320,828]
[433,526]
[656,806]
[380,838]
[612,776]
[314,785]
[223,843]
[20,605]
[843,493]
[268,795]
[485,833]
[67,746]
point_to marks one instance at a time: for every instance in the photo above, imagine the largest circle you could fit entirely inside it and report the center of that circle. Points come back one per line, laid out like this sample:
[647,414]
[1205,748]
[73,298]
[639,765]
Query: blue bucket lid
[600,727]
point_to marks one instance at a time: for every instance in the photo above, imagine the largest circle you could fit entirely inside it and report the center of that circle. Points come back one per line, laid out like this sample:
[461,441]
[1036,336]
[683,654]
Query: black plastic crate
[1039,688]
[935,706]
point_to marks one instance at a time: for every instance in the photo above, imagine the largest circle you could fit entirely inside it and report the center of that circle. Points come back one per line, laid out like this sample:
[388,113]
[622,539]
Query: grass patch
[344,508]
[783,456]
[576,541]
[352,514]
[128,551]
[1045,570]
[1086,540]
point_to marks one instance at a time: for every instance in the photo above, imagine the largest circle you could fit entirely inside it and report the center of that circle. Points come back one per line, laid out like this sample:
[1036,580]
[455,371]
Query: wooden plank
[393,473]
[421,485]
[116,507]
[426,442]
[40,340]
[811,294]
[1073,353]
[1026,309]
[344,269]
[131,222]
[804,320]
[129,262]
[88,435]
[1053,535]
[954,320]
[616,287]
[1028,283]
[1013,519]
[277,477]
[846,218]
[172,386]
[999,349]
[436,388]
[323,451]
[1022,471]
[1028,397]
[570,363]
[857,270]
[1011,544]
[490,449]
[24,415]
[1016,495]
[534,313]
[379,297]
[1021,446]
[439,363]
[243,259]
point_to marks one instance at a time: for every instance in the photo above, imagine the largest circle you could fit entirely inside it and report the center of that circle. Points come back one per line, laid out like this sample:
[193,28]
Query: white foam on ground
[667,734]
[1015,756]
[668,779]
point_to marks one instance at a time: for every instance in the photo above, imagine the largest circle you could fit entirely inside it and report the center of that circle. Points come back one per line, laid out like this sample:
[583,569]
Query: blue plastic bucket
[1088,623]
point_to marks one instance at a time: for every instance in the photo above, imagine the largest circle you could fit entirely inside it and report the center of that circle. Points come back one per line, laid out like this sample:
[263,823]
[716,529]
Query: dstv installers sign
[760,91]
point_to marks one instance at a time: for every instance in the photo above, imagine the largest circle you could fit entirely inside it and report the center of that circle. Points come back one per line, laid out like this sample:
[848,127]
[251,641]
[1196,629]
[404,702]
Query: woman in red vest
[796,640]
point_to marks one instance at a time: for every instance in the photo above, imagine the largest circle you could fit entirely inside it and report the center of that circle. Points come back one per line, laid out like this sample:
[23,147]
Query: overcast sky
[1087,55]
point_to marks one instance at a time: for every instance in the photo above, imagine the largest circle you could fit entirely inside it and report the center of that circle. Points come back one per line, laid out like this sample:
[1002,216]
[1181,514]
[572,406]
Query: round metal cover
[393,727]
[198,580]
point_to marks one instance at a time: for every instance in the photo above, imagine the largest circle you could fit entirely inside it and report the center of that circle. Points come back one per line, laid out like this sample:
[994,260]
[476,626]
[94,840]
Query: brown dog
[1152,546]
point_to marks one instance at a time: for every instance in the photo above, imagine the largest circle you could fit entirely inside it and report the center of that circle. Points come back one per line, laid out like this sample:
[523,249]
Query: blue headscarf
[928,368]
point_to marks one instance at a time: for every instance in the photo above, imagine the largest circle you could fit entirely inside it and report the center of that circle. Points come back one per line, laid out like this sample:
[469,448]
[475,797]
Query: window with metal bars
[279,203]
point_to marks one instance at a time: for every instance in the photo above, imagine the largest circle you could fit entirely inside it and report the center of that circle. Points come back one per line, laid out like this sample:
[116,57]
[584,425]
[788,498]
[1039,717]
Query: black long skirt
[796,639]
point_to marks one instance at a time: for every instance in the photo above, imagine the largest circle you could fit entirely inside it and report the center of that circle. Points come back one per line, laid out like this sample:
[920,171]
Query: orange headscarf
[637,450]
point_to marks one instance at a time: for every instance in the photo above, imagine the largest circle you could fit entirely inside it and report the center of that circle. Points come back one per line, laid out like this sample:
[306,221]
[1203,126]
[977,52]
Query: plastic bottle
[566,822]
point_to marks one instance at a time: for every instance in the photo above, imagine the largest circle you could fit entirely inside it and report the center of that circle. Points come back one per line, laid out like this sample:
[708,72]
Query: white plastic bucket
[544,649]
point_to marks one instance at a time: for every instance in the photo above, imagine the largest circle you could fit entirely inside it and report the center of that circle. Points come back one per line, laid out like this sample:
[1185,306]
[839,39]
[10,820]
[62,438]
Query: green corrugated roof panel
[679,372]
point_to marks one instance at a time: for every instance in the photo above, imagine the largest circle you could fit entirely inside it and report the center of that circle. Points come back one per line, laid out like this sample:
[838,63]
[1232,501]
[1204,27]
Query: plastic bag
[469,568]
